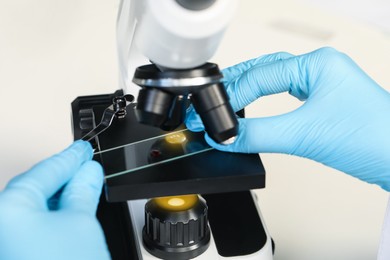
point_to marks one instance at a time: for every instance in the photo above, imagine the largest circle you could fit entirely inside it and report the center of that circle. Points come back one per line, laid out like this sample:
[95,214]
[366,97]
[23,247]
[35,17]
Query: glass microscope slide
[151,152]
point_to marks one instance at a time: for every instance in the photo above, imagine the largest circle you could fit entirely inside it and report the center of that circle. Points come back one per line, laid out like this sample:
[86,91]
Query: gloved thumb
[262,135]
[83,190]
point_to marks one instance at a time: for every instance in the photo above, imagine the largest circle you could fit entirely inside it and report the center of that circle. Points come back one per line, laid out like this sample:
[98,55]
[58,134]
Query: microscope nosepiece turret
[163,99]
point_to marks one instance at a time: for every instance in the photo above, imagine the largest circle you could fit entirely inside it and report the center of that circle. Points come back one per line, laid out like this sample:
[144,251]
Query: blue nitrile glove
[344,123]
[29,226]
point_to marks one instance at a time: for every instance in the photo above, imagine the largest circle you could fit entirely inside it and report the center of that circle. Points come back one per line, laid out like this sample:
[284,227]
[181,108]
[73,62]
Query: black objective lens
[159,101]
[153,106]
[212,104]
[161,109]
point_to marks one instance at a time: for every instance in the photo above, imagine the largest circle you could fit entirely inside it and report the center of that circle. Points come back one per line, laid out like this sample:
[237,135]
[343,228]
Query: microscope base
[260,249]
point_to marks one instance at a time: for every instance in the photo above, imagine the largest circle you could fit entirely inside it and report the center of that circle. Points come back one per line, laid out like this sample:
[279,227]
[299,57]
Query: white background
[52,51]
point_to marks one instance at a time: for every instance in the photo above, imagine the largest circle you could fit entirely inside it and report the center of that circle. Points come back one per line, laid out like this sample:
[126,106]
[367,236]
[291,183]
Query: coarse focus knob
[176,227]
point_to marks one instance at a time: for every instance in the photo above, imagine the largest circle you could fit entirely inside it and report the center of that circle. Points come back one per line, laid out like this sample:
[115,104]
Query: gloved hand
[344,123]
[34,226]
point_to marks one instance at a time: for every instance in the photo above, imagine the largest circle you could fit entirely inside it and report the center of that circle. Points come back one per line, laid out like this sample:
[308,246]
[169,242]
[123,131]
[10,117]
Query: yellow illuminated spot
[176,138]
[177,203]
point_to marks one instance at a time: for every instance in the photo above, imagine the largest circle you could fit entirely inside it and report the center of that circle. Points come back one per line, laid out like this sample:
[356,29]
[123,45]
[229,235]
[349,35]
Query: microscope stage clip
[116,110]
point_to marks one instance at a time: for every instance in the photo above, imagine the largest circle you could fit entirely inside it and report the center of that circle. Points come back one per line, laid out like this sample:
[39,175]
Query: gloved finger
[44,179]
[83,190]
[267,79]
[263,135]
[193,121]
[234,71]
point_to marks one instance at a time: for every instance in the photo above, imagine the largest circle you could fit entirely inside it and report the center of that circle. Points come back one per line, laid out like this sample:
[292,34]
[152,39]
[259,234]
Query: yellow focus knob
[177,203]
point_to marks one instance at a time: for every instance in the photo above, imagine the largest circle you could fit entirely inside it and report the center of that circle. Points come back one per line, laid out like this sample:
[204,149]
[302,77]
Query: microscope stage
[132,174]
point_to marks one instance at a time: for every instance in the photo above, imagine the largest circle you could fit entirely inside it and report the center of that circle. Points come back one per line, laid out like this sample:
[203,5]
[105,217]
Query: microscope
[167,193]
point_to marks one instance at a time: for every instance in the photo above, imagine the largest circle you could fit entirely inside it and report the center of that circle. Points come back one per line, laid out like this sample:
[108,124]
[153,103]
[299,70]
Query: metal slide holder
[116,110]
